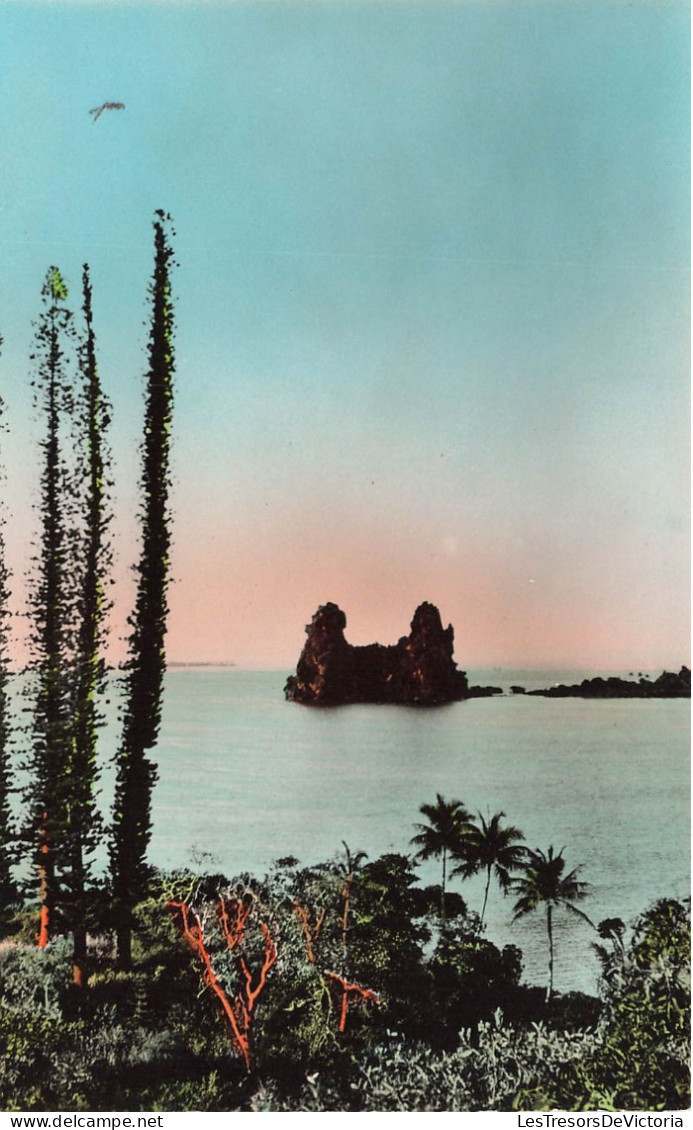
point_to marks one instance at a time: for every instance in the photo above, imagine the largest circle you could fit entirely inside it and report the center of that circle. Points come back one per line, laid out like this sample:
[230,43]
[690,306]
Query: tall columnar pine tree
[8,891]
[52,606]
[84,826]
[136,773]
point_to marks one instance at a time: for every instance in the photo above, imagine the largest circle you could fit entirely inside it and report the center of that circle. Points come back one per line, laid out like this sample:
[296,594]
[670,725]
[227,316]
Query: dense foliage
[388,1008]
[642,1054]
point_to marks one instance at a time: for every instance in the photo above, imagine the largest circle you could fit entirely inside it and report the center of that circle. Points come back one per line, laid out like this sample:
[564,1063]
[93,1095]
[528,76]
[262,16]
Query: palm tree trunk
[442,889]
[488,884]
[549,926]
[346,896]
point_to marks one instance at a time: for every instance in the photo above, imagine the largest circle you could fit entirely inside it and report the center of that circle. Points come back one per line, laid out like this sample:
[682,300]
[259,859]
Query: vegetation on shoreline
[669,684]
[335,987]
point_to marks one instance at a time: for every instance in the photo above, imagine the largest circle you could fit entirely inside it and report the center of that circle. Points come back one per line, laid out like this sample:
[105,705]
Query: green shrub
[642,1057]
[487,1072]
[51,1064]
[36,981]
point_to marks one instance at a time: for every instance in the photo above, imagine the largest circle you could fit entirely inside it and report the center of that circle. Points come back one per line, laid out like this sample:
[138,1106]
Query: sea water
[246,778]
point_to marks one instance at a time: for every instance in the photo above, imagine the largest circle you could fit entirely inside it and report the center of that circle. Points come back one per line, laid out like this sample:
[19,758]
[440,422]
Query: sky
[432,310]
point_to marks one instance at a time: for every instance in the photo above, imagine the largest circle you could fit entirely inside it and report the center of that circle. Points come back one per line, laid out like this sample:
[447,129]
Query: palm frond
[579,913]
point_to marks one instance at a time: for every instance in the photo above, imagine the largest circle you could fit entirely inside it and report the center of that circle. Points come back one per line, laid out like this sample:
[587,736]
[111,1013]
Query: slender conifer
[8,890]
[136,772]
[84,825]
[52,607]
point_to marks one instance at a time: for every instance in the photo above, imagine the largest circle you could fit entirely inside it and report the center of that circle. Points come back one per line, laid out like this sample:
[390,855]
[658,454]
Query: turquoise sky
[432,308]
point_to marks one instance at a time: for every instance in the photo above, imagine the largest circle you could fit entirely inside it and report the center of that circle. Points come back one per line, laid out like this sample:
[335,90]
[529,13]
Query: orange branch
[194,936]
[350,989]
[233,932]
[268,961]
[233,918]
[311,931]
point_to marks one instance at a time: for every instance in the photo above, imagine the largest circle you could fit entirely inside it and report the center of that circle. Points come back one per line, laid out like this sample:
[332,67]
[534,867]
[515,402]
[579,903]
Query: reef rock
[668,685]
[419,669]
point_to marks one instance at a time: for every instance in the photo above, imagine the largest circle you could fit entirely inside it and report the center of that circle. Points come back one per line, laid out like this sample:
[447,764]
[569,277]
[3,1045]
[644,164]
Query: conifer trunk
[45,885]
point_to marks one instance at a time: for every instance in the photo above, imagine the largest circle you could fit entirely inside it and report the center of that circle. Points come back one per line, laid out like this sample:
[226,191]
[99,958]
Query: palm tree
[348,870]
[449,823]
[544,884]
[489,847]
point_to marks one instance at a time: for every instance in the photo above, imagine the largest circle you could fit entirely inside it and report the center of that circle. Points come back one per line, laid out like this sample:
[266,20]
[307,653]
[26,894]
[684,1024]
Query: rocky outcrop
[419,669]
[668,685]
[484,692]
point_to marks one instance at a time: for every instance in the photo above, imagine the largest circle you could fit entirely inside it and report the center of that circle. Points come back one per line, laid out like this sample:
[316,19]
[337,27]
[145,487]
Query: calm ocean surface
[249,778]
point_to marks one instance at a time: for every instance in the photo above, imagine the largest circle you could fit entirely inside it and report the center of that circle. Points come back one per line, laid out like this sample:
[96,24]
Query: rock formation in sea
[419,669]
[484,692]
[667,685]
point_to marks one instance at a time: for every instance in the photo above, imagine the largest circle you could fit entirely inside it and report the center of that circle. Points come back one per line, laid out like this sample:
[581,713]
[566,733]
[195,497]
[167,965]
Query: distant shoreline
[668,685]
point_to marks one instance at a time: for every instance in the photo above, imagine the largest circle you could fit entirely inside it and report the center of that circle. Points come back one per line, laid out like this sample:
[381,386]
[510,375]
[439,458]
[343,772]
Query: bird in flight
[98,111]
